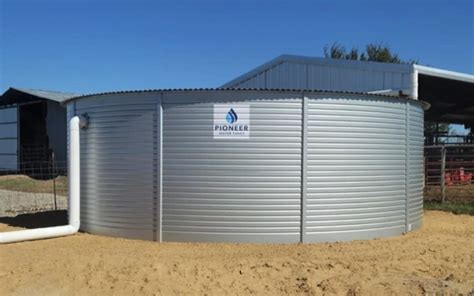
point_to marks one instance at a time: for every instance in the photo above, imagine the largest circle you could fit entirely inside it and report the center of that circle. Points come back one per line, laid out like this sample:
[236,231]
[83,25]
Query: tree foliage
[433,127]
[373,52]
[435,133]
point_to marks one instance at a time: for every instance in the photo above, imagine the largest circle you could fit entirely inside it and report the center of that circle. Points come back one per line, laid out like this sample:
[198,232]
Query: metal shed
[228,165]
[450,94]
[32,127]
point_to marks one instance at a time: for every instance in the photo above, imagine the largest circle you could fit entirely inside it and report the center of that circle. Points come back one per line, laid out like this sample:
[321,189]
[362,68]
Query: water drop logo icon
[231,116]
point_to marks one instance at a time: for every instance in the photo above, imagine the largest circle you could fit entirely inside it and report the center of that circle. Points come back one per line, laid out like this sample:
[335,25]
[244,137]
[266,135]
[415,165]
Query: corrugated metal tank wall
[152,169]
[245,190]
[119,166]
[416,174]
[356,173]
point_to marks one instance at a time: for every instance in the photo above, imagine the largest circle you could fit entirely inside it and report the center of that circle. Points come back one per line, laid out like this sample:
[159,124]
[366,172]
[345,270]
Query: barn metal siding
[119,165]
[415,166]
[352,79]
[9,138]
[232,189]
[327,74]
[355,184]
[287,76]
[254,82]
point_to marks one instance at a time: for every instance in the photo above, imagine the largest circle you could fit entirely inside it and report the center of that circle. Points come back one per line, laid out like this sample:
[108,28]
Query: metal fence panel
[449,173]
[35,187]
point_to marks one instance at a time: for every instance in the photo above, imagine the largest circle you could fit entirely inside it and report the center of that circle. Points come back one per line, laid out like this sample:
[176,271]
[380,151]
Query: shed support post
[443,174]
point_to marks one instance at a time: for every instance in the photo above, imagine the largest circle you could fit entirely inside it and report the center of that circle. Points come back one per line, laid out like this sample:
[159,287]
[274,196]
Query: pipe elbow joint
[80,121]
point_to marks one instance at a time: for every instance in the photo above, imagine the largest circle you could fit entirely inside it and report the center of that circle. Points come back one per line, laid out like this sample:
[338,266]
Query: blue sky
[90,46]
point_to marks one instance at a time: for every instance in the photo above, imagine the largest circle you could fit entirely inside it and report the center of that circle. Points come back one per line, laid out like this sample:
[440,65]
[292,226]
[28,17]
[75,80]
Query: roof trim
[444,73]
[425,105]
[56,96]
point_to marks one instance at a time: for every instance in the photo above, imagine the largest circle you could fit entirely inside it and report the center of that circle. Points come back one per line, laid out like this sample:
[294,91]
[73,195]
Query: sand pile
[437,258]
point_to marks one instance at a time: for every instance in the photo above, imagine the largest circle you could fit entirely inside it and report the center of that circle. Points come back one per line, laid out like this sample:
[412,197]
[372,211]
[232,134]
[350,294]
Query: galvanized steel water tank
[250,165]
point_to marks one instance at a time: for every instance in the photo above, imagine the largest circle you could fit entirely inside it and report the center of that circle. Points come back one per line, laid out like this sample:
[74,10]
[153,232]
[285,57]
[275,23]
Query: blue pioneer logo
[231,116]
[231,121]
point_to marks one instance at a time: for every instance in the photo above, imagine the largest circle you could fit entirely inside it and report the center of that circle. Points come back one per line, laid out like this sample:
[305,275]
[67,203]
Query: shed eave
[424,70]
[55,96]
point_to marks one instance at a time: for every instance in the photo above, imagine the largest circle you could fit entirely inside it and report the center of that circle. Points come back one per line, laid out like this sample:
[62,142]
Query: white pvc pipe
[414,84]
[75,124]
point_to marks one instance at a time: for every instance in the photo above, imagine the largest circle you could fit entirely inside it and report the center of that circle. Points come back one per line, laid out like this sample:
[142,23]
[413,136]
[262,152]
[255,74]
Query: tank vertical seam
[407,160]
[155,172]
[160,169]
[303,167]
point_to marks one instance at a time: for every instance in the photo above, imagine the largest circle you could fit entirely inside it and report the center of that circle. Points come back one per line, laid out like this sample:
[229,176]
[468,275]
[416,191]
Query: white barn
[451,94]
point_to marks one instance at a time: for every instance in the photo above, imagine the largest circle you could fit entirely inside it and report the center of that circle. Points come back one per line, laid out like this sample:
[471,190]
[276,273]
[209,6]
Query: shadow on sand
[37,220]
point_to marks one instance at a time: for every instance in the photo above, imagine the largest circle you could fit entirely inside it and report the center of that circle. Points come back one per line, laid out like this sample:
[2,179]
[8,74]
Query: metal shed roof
[46,94]
[15,95]
[451,94]
[359,65]
[430,71]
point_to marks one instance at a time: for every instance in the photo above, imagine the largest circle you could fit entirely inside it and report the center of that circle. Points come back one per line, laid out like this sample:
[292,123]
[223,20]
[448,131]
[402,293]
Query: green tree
[373,52]
[435,132]
[430,126]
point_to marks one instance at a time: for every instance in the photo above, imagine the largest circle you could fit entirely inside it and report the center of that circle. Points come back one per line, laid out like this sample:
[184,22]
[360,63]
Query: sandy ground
[438,259]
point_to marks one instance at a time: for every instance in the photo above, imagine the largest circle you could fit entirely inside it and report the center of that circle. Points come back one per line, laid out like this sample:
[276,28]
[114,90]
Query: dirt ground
[454,194]
[438,259]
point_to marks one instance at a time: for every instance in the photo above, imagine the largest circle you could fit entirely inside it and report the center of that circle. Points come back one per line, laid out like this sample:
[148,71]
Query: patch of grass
[456,208]
[26,184]
[454,194]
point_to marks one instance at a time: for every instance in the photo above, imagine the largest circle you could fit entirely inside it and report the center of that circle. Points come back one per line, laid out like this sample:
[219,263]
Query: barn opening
[35,130]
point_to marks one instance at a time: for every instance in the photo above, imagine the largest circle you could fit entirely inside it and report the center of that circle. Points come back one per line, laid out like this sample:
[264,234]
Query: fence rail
[450,166]
[35,186]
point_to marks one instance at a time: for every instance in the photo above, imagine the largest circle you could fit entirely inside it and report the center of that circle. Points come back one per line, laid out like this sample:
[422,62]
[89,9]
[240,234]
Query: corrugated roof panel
[47,94]
[318,62]
[316,73]
[296,72]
